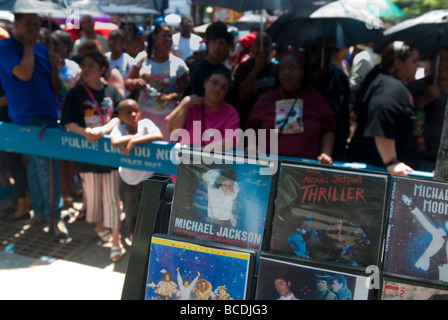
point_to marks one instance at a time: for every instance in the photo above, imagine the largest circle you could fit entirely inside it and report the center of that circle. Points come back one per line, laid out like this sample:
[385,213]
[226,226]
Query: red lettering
[323,194]
[343,197]
[359,192]
[335,197]
[312,193]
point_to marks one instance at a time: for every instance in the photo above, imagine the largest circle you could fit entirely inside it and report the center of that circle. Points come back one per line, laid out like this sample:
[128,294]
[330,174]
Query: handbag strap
[289,114]
[97,108]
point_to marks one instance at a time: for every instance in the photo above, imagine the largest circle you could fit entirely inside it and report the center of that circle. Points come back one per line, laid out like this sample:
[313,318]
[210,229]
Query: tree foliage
[414,8]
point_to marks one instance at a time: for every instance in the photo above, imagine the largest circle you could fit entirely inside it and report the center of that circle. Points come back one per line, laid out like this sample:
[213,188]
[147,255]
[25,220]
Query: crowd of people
[327,103]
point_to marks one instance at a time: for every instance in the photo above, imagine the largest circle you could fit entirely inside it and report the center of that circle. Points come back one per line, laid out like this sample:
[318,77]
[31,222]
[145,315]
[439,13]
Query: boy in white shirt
[130,132]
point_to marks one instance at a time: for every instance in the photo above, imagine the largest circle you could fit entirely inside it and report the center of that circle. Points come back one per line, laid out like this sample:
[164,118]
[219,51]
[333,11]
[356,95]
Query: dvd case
[222,200]
[182,269]
[330,214]
[396,287]
[417,229]
[280,278]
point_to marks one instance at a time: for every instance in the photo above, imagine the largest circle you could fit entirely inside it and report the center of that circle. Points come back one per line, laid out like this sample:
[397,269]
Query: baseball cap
[247,40]
[217,30]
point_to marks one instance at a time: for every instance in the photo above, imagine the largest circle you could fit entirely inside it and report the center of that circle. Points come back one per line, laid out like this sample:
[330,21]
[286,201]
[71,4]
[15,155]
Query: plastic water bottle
[151,91]
[9,248]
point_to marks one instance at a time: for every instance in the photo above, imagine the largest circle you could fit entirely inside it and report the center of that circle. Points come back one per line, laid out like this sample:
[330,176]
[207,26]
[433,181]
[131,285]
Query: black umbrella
[246,5]
[346,24]
[427,32]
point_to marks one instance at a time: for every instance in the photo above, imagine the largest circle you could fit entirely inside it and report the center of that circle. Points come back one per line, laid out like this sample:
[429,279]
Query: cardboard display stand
[152,213]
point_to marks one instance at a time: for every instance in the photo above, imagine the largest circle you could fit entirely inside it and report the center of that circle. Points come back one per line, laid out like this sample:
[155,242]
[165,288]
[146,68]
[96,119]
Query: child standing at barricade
[89,110]
[126,135]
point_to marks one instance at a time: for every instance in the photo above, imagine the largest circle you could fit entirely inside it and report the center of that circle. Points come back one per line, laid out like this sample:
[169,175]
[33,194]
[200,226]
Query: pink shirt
[317,119]
[196,124]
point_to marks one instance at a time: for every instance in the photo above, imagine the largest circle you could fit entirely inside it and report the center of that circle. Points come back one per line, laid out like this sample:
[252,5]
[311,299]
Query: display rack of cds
[220,207]
[232,220]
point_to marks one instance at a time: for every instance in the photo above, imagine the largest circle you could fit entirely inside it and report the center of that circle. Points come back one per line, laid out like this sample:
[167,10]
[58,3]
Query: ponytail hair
[395,50]
[157,29]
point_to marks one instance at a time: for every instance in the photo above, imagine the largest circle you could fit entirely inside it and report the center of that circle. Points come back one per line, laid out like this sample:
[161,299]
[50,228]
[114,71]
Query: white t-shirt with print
[129,175]
[162,77]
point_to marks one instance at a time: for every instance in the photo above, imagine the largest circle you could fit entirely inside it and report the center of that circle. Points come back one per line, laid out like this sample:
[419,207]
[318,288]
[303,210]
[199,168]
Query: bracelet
[391,162]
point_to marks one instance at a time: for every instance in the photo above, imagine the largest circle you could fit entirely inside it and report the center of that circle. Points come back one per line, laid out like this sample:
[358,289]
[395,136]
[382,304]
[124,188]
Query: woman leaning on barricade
[211,116]
[385,113]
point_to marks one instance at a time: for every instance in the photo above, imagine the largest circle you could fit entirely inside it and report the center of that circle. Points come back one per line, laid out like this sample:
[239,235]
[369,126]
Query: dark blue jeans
[39,179]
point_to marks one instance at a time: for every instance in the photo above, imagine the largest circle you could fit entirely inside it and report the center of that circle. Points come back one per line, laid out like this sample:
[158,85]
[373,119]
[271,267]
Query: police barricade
[60,144]
[157,156]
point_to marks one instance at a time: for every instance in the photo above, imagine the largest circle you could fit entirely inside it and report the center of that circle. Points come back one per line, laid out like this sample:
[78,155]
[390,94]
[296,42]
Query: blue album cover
[329,214]
[221,202]
[287,280]
[416,243]
[179,270]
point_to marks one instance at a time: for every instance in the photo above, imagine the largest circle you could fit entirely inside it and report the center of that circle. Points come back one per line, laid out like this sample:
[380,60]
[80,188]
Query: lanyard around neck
[95,103]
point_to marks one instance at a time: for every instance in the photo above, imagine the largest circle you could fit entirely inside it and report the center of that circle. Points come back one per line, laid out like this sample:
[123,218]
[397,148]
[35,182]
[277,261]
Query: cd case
[280,278]
[182,269]
[222,199]
[330,214]
[395,287]
[417,229]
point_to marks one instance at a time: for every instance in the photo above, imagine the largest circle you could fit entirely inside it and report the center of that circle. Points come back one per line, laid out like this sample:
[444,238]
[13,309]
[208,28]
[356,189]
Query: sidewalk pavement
[24,278]
[40,268]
